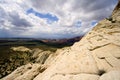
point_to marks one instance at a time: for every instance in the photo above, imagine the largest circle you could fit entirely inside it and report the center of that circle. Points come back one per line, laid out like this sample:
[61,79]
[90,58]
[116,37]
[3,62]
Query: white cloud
[15,22]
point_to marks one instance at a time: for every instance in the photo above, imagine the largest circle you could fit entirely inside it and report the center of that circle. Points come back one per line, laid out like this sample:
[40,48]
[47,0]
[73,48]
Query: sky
[51,19]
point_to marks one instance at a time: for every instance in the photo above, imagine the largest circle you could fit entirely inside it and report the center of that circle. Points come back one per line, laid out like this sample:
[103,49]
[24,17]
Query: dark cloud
[4,33]
[17,21]
[92,5]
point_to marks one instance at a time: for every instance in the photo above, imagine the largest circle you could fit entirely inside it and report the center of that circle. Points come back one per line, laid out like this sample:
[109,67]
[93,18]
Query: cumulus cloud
[74,17]
[17,21]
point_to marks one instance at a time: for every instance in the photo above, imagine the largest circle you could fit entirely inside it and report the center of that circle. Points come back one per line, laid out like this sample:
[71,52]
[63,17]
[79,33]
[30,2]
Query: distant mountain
[38,41]
[66,41]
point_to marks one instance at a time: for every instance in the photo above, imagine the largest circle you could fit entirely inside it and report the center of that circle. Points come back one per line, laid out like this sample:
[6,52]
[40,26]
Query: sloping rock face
[95,57]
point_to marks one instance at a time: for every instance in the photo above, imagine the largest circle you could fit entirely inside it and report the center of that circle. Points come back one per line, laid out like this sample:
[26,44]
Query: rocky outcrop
[23,56]
[17,56]
[95,57]
[40,56]
[26,72]
[21,49]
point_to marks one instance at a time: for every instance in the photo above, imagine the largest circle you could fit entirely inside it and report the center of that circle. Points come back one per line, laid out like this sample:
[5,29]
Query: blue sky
[51,18]
[94,23]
